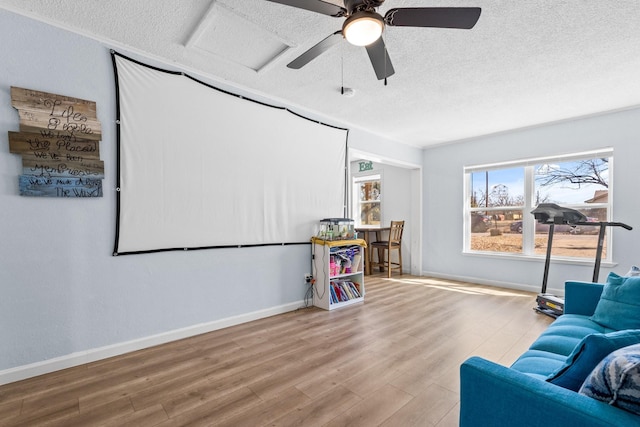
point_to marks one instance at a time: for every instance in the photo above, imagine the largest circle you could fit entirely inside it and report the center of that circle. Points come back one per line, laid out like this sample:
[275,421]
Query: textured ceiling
[523,64]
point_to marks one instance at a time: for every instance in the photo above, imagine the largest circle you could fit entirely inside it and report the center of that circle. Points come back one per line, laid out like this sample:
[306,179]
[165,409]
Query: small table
[366,236]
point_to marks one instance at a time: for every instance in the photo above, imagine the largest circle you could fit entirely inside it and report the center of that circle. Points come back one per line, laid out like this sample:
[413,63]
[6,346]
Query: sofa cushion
[619,305]
[565,333]
[549,352]
[588,353]
[616,380]
[538,363]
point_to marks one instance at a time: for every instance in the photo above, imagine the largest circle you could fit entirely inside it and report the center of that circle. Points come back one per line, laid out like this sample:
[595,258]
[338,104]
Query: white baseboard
[79,358]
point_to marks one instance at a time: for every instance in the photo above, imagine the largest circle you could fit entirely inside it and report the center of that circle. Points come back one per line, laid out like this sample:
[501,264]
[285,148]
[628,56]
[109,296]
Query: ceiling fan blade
[315,6]
[440,17]
[315,51]
[380,59]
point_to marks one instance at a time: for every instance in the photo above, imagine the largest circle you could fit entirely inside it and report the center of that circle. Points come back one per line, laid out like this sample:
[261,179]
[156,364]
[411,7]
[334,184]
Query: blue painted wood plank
[37,186]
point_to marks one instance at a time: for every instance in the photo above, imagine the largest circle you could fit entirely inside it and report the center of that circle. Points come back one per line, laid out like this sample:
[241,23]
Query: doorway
[399,198]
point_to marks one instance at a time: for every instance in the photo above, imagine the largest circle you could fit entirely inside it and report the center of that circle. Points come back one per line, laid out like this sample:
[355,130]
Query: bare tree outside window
[578,173]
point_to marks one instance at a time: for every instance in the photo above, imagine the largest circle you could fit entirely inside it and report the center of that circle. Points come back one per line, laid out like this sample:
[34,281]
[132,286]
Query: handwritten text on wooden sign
[59,141]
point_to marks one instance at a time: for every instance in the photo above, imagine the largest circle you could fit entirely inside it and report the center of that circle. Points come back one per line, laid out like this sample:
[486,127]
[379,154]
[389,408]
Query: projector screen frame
[117,251]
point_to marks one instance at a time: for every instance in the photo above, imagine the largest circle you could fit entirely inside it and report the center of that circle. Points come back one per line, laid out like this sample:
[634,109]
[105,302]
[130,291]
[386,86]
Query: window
[500,198]
[367,200]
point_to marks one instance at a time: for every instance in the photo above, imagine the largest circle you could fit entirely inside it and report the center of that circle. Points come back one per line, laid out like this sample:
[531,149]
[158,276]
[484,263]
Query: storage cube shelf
[338,267]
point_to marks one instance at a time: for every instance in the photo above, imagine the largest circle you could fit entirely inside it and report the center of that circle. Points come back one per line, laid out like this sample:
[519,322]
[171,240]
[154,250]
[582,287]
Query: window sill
[539,258]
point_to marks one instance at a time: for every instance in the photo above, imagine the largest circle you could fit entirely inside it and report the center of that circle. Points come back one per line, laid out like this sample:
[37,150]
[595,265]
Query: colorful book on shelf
[334,298]
[344,287]
[343,295]
[357,287]
[351,289]
[354,290]
[336,291]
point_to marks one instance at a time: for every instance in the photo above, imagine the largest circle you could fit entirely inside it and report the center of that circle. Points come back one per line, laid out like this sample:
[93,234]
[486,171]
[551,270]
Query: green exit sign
[366,166]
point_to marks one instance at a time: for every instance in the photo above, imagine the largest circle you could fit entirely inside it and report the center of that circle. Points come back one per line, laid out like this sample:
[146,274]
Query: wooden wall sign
[59,141]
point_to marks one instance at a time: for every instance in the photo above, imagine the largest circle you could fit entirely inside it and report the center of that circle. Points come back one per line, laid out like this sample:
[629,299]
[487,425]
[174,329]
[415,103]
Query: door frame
[415,242]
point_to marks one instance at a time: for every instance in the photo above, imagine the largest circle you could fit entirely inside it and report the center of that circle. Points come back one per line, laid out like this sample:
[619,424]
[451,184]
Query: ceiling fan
[363,26]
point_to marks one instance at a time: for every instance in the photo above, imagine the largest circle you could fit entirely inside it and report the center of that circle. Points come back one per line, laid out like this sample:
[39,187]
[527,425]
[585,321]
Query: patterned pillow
[616,380]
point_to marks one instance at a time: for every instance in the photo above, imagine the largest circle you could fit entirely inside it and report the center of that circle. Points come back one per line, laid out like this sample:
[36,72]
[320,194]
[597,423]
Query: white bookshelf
[348,278]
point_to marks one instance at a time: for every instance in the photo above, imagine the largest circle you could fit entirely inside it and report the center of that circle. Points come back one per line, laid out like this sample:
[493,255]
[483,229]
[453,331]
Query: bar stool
[385,246]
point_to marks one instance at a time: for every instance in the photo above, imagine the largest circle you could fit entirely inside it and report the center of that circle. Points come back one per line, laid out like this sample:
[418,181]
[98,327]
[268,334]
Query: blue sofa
[542,387]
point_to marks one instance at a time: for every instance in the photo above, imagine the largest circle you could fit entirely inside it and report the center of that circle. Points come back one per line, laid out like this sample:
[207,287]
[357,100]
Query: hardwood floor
[390,361]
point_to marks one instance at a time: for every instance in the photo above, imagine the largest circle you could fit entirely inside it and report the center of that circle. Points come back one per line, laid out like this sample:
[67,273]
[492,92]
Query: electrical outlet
[308,277]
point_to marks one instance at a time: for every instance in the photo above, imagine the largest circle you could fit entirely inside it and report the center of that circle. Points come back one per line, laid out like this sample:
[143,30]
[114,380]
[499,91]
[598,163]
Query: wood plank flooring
[390,361]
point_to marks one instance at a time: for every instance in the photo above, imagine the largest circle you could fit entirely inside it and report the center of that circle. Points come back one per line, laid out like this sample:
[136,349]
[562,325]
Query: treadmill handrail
[594,223]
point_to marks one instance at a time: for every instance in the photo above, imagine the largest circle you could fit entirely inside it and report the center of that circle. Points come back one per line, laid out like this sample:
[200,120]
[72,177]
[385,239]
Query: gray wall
[64,298]
[443,205]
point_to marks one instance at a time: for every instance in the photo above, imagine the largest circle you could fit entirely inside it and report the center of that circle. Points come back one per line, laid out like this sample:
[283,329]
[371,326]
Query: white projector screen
[201,168]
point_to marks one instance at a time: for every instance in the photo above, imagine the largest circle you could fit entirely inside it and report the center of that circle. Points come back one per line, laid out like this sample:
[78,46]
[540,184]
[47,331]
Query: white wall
[377,147]
[443,205]
[64,298]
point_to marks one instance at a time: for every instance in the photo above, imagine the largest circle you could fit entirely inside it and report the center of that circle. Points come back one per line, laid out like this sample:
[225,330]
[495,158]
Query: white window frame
[528,220]
[355,181]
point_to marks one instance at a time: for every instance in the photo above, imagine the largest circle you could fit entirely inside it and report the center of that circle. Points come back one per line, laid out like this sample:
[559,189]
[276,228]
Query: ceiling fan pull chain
[386,58]
[342,70]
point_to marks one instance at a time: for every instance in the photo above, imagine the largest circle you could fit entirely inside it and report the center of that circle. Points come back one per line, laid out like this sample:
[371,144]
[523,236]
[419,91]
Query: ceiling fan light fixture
[363,28]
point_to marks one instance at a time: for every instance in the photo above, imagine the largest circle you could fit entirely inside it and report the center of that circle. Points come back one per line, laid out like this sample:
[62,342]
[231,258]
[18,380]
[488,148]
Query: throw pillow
[633,271]
[619,304]
[616,380]
[588,353]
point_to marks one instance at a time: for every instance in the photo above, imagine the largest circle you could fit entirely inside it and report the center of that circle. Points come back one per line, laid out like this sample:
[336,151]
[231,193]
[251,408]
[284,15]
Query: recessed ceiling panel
[227,35]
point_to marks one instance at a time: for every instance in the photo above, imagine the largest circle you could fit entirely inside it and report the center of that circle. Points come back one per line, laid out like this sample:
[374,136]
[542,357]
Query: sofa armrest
[492,395]
[581,297]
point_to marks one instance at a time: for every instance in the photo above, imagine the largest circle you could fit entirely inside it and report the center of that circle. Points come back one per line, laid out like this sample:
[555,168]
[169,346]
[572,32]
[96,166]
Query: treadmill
[551,214]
